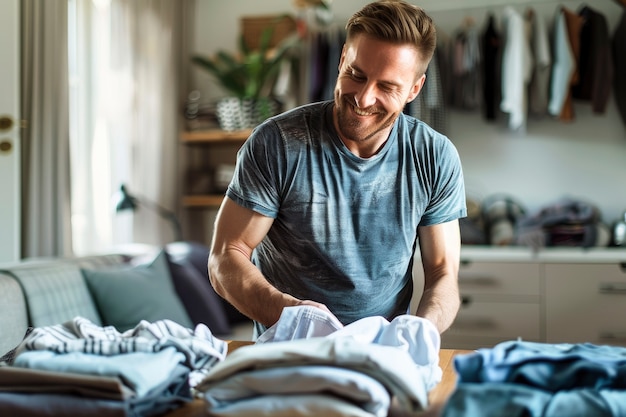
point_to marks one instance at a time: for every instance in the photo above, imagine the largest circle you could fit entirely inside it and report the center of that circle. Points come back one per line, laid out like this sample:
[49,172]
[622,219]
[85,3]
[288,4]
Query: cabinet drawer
[585,303]
[500,278]
[489,281]
[487,323]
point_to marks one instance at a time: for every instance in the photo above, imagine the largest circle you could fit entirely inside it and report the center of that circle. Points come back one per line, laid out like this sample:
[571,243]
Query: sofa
[115,289]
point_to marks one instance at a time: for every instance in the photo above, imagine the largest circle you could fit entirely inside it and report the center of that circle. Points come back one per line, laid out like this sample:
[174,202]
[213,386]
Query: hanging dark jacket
[618,45]
[595,63]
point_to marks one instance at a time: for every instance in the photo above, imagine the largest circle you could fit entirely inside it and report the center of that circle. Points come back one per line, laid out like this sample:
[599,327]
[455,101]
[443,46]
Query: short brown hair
[398,22]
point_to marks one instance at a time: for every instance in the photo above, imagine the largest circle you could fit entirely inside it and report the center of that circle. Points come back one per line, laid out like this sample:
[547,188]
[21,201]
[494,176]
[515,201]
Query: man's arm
[440,247]
[237,232]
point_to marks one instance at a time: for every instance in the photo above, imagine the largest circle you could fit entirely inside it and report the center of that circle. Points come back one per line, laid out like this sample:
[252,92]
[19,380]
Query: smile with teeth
[362,112]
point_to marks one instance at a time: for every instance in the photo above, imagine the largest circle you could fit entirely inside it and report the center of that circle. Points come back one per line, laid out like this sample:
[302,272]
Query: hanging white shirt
[516,69]
[563,67]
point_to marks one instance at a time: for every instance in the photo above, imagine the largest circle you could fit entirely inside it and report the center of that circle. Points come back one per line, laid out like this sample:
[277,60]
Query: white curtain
[45,172]
[126,60]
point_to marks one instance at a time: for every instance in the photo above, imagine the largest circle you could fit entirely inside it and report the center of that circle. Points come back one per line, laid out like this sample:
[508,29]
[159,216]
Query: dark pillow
[126,295]
[200,300]
[197,255]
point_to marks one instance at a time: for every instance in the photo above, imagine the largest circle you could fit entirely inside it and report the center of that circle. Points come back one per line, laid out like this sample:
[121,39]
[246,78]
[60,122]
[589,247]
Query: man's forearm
[240,283]
[440,304]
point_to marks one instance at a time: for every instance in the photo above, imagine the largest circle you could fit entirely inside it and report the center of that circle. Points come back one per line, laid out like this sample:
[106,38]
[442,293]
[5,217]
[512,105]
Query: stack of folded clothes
[309,364]
[530,379]
[79,368]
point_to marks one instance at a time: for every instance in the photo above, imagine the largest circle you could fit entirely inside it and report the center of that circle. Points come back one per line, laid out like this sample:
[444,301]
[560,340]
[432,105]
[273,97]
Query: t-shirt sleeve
[447,201]
[255,183]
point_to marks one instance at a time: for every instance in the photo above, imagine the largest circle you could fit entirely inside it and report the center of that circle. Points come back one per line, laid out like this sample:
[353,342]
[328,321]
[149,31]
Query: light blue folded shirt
[533,379]
[544,365]
[139,371]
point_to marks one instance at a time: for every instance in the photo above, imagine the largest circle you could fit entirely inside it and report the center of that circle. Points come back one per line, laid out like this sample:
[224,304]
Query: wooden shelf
[214,136]
[202,200]
[205,149]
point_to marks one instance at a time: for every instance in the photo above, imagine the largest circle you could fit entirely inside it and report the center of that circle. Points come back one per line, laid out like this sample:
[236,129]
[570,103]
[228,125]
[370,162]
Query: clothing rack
[448,5]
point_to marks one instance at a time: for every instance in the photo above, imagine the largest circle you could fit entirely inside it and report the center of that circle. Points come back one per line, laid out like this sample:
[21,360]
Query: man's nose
[366,96]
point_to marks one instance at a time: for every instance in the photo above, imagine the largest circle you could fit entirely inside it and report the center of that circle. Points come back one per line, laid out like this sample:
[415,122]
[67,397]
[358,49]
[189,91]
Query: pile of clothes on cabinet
[501,220]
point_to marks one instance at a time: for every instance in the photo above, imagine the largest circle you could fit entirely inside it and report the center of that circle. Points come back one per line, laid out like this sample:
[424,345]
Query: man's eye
[357,77]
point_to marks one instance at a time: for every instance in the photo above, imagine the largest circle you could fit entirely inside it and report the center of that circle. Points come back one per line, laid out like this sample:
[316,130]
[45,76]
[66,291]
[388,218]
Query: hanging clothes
[491,41]
[466,62]
[429,105]
[618,48]
[573,23]
[516,69]
[595,63]
[318,63]
[324,53]
[542,58]
[563,66]
[444,53]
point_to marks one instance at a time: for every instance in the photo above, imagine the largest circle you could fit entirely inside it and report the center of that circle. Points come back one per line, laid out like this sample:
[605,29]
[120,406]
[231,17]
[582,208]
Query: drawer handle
[478,281]
[618,288]
[479,323]
[613,336]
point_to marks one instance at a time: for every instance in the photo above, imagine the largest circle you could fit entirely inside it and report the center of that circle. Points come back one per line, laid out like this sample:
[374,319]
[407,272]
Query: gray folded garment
[34,380]
[59,405]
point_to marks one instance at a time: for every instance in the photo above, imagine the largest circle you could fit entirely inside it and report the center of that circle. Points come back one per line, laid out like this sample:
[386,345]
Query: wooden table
[437,396]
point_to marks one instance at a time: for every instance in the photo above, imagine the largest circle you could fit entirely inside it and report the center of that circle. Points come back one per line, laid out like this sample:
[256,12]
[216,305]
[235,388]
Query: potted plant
[248,75]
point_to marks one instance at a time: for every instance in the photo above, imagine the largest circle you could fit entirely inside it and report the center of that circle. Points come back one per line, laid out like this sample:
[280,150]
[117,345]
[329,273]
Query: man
[330,200]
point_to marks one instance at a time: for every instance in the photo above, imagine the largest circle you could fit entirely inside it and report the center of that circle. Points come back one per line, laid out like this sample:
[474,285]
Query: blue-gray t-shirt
[345,227]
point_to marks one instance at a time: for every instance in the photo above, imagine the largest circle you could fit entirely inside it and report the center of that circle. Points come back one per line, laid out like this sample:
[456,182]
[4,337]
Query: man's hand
[314,304]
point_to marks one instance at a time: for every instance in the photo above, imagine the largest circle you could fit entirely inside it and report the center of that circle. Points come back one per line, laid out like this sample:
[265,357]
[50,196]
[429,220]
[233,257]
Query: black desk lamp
[126,201]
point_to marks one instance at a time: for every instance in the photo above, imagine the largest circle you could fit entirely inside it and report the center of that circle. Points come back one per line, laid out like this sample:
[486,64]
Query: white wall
[585,158]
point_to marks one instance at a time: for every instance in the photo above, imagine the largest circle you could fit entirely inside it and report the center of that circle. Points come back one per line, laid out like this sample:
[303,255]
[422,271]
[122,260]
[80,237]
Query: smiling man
[330,200]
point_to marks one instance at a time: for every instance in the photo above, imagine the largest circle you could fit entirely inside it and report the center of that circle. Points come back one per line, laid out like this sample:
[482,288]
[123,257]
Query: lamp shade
[125,201]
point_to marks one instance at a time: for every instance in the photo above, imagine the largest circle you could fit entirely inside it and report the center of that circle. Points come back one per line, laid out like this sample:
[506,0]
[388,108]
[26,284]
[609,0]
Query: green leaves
[249,74]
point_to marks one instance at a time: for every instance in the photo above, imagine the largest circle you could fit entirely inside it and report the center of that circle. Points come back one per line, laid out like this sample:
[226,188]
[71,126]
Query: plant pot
[235,114]
[229,114]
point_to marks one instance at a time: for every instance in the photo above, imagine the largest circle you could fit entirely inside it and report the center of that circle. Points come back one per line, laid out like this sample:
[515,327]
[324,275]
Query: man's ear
[343,55]
[417,87]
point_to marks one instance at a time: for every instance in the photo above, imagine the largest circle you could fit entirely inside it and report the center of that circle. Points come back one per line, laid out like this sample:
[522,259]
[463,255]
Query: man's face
[376,79]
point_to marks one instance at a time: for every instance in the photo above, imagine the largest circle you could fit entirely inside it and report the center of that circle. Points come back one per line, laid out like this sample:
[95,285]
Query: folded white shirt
[401,355]
[416,335]
[346,384]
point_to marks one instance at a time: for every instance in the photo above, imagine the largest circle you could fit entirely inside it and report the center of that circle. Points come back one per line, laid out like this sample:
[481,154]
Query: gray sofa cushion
[55,292]
[13,317]
[126,295]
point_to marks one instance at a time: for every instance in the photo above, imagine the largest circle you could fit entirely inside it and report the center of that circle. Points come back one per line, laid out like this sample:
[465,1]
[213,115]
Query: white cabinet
[554,295]
[499,301]
[586,302]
